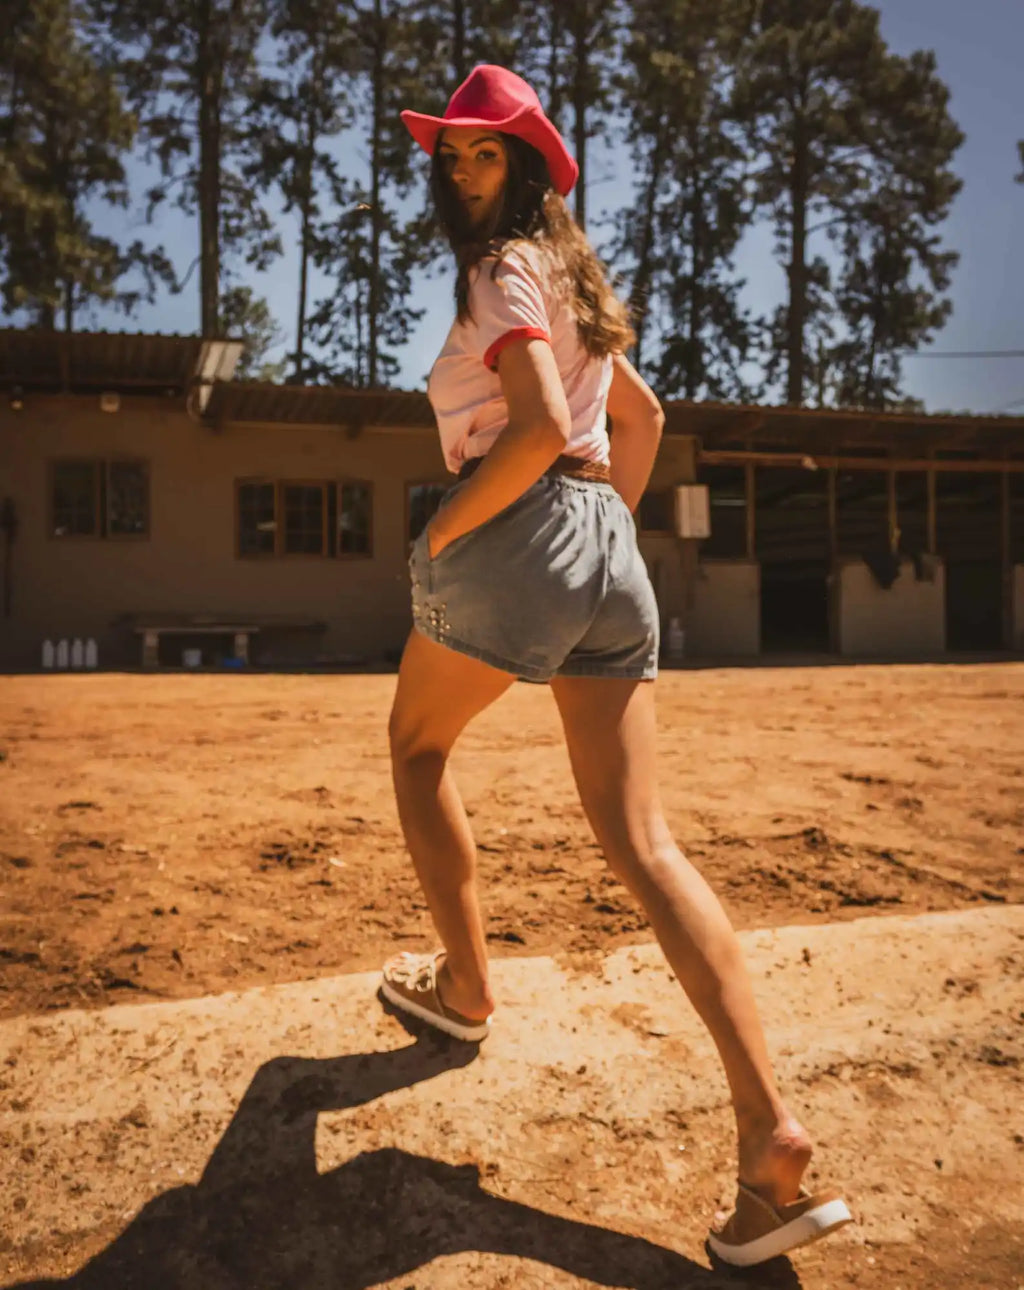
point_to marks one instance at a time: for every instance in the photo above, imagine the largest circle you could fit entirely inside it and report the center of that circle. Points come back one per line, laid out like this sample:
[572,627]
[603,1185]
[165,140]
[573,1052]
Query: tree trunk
[375,165]
[797,267]
[459,40]
[698,260]
[306,216]
[360,349]
[209,77]
[554,52]
[579,106]
[644,269]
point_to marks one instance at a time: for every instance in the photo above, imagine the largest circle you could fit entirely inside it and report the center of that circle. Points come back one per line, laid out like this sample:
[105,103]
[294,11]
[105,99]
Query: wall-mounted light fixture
[110,401]
[17,398]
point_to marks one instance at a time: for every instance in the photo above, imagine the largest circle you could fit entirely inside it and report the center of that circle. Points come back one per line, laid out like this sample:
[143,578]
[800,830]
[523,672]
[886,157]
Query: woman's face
[475,162]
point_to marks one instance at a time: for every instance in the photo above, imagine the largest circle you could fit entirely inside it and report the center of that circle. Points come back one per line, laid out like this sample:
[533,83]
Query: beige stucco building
[143,491]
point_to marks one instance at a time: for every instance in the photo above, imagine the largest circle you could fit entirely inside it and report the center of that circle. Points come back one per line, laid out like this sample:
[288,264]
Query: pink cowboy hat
[497,99]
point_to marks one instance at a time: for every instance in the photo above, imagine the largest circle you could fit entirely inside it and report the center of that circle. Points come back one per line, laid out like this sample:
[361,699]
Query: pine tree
[569,53]
[64,132]
[453,36]
[690,212]
[837,122]
[243,313]
[370,252]
[295,114]
[896,271]
[188,67]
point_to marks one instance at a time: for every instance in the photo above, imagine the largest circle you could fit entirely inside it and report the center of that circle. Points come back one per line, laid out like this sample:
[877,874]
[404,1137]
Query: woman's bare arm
[638,421]
[539,425]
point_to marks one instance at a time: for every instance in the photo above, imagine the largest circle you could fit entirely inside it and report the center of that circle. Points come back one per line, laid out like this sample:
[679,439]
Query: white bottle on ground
[77,652]
[92,656]
[62,653]
[48,653]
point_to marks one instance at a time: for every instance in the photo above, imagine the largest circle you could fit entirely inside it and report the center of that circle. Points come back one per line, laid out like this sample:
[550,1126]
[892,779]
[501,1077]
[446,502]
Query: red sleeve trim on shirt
[517,333]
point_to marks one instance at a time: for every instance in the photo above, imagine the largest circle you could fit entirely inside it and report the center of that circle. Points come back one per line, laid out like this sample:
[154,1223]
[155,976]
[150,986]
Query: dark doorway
[969,539]
[794,608]
[792,545]
[974,605]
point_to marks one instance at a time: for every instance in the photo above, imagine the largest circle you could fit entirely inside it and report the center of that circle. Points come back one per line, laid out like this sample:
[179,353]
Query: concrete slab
[297,1135]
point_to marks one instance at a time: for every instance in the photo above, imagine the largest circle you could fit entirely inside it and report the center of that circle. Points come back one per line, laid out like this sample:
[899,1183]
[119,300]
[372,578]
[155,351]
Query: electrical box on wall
[692,511]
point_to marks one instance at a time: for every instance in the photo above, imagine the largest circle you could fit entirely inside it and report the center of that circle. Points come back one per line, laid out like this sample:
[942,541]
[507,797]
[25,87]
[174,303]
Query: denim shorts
[553,585]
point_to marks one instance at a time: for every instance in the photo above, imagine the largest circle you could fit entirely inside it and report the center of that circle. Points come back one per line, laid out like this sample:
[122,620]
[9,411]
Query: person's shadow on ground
[262,1217]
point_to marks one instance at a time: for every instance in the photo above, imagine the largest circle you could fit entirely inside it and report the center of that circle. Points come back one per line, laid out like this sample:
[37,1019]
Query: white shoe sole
[471,1034]
[811,1226]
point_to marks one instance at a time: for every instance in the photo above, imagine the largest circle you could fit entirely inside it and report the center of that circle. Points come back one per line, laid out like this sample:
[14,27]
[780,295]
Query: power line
[1008,407]
[962,353]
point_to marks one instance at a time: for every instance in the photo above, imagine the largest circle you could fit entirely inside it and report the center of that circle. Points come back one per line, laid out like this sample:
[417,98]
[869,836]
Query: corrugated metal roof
[719,425]
[151,363]
[716,424]
[89,361]
[261,402]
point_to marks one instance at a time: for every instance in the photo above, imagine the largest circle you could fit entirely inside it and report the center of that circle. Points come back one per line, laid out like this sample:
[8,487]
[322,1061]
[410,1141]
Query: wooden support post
[751,509]
[1006,552]
[833,534]
[833,590]
[894,519]
[933,548]
[151,649]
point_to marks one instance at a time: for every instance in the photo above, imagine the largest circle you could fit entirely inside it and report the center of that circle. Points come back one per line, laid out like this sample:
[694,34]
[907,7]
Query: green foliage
[856,142]
[189,69]
[680,235]
[64,133]
[733,112]
[247,316]
[355,352]
[570,52]
[369,253]
[296,111]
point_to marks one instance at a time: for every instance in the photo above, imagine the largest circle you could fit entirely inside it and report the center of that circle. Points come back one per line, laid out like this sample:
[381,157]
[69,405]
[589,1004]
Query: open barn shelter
[855,532]
[156,506]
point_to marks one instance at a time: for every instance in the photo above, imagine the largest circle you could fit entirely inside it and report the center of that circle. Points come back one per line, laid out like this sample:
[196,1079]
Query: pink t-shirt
[463,387]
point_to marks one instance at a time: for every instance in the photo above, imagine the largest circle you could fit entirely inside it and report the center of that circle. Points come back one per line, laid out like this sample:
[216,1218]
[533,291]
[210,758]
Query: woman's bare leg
[439,691]
[611,736]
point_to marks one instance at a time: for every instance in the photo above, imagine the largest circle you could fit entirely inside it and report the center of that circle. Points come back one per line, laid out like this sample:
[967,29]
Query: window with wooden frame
[127,500]
[303,517]
[75,504]
[355,518]
[256,511]
[97,498]
[421,503]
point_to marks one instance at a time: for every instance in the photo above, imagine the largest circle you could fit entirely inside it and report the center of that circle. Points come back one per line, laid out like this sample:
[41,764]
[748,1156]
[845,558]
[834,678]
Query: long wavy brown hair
[532,211]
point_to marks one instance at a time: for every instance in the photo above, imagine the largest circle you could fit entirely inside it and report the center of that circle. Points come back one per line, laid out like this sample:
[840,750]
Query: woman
[530,569]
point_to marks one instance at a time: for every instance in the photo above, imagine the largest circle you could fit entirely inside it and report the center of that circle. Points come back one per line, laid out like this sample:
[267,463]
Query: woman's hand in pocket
[436,539]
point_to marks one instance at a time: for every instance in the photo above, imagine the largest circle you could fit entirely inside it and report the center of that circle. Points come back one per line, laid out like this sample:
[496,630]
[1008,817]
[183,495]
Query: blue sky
[978,47]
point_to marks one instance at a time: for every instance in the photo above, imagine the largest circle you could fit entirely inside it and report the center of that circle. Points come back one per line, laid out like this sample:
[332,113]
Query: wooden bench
[152,626]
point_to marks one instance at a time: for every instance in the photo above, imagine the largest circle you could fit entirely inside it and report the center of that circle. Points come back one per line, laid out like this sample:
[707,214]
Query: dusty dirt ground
[170,836]
[178,836]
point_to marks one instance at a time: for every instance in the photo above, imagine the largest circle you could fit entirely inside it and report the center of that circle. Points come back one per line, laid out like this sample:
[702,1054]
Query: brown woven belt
[575,467]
